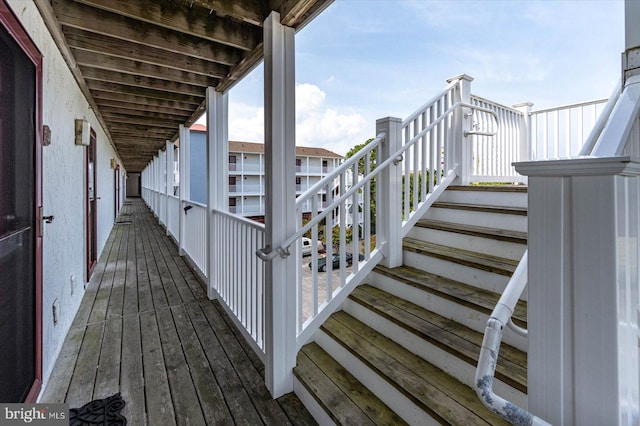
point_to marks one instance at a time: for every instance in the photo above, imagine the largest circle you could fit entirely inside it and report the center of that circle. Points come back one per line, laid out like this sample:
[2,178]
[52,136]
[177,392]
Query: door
[92,200]
[20,199]
[116,188]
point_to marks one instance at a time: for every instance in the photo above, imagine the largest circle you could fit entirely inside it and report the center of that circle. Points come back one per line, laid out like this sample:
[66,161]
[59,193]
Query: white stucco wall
[63,178]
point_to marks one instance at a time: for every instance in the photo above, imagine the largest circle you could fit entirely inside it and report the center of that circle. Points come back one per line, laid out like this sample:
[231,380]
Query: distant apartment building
[247,173]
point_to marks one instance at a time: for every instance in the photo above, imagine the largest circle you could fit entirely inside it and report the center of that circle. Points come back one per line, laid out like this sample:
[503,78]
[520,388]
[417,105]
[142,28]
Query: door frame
[116,191]
[91,215]
[13,26]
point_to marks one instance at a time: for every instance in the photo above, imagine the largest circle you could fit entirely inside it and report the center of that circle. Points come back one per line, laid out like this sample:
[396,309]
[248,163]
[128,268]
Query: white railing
[560,132]
[162,214]
[498,143]
[237,274]
[195,238]
[420,145]
[173,217]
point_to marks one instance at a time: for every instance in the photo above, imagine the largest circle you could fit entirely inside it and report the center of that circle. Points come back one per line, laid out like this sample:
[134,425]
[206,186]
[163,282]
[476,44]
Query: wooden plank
[116,299]
[251,11]
[97,50]
[134,110]
[211,397]
[108,373]
[87,18]
[144,92]
[84,375]
[159,404]
[183,391]
[120,118]
[441,332]
[60,377]
[268,408]
[238,401]
[91,290]
[131,290]
[173,296]
[431,388]
[196,21]
[295,410]
[155,282]
[485,262]
[337,405]
[145,297]
[377,412]
[101,303]
[477,231]
[132,382]
[113,99]
[139,82]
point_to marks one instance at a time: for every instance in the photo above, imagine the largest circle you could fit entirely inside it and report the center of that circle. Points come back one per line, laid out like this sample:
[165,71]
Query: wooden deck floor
[145,328]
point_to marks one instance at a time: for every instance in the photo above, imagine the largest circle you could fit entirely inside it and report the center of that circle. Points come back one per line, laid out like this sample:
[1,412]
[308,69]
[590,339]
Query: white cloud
[317,123]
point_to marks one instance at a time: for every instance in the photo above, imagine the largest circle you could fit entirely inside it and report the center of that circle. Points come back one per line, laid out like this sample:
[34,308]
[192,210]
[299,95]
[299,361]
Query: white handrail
[488,359]
[591,141]
[267,253]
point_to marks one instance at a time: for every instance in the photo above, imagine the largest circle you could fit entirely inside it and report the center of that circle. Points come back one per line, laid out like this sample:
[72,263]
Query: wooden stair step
[517,211]
[342,396]
[440,395]
[472,297]
[475,231]
[485,262]
[489,188]
[447,334]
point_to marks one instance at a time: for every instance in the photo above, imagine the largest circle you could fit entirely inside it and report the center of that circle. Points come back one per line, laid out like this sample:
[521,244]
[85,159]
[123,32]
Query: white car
[306,246]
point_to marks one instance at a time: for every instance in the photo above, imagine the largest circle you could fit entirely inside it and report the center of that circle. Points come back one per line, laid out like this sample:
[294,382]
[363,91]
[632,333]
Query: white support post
[280,220]
[526,149]
[389,211]
[155,185]
[217,174]
[460,157]
[583,302]
[631,56]
[169,180]
[184,183]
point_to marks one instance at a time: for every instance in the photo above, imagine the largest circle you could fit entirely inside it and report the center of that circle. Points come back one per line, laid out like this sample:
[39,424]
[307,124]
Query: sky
[361,60]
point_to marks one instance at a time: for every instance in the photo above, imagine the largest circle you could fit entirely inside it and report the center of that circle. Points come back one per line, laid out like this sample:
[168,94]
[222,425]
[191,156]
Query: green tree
[372,185]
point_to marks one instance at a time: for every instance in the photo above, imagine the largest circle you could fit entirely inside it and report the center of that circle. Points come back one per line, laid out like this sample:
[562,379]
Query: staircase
[404,348]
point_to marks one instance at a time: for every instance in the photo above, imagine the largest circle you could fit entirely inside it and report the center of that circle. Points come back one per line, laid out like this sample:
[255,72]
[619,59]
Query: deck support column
[169,181]
[389,194]
[184,183]
[280,192]
[631,56]
[217,172]
[584,303]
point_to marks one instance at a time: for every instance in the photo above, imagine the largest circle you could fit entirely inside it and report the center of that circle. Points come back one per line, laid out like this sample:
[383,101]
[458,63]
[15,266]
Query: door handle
[48,219]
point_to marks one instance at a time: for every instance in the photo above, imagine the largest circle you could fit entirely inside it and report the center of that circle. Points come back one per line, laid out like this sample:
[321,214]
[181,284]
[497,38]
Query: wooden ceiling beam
[102,44]
[115,118]
[104,97]
[72,14]
[142,82]
[296,13]
[105,109]
[112,63]
[144,92]
[187,20]
[119,129]
[250,11]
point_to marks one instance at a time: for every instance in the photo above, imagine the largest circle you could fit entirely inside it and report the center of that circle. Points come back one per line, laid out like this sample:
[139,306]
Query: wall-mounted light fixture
[82,132]
[113,163]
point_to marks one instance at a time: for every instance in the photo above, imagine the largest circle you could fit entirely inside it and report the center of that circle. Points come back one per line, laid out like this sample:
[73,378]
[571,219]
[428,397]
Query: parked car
[322,262]
[306,246]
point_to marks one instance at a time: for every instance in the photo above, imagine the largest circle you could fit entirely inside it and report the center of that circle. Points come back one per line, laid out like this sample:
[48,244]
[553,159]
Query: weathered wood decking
[146,328]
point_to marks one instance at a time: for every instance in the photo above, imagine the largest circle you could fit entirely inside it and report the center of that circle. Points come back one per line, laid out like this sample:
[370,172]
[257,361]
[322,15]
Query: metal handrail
[490,349]
[267,253]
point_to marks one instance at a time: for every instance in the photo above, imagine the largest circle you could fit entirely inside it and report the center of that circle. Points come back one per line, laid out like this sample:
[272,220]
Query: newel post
[583,299]
[389,194]
[460,155]
[217,172]
[280,213]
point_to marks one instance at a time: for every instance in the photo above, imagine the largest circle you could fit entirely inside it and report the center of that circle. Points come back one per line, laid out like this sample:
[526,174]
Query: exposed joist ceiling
[145,64]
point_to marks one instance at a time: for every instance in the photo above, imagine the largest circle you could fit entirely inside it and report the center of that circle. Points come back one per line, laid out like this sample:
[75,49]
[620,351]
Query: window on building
[232,162]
